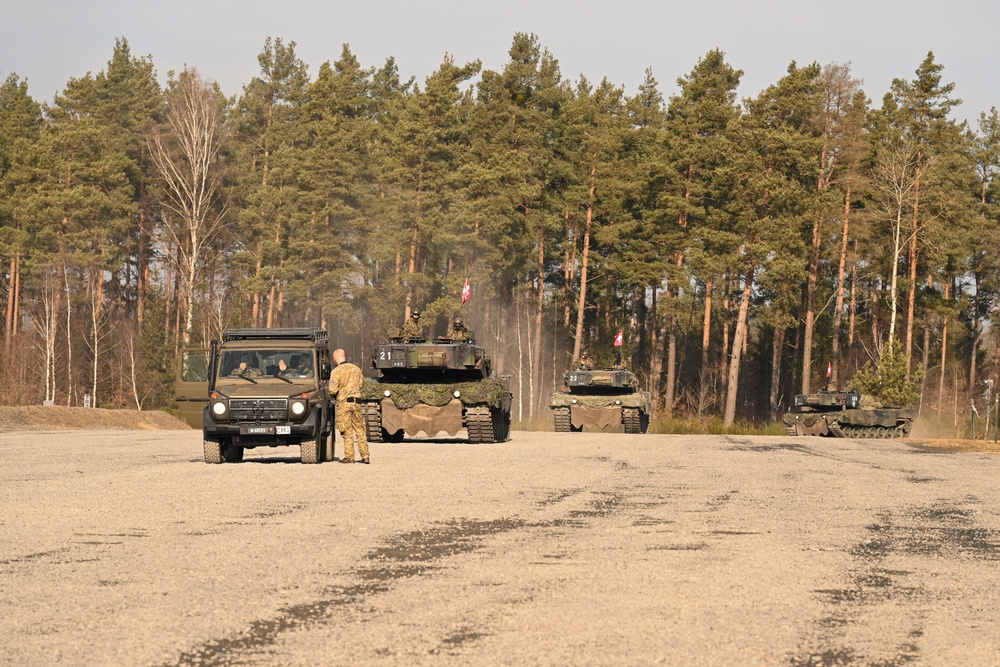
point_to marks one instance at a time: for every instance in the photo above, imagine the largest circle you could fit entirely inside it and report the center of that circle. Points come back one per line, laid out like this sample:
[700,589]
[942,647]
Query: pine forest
[747,249]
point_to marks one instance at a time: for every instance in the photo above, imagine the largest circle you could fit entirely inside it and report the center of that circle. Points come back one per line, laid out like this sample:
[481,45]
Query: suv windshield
[286,364]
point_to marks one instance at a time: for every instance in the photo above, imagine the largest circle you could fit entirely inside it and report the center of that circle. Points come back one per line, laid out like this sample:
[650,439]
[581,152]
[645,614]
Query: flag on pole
[619,338]
[466,292]
[829,369]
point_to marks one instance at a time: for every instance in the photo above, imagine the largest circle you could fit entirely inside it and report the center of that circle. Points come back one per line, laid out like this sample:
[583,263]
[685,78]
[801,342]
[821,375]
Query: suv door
[191,385]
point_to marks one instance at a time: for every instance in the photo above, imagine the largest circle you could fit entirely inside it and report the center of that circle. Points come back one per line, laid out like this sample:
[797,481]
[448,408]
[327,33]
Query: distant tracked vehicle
[600,397]
[839,414]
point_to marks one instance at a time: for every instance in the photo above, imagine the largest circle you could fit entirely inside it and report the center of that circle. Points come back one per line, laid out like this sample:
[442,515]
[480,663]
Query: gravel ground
[123,547]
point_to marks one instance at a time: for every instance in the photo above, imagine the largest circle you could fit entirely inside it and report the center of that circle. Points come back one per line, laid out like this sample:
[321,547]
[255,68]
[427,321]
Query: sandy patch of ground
[52,417]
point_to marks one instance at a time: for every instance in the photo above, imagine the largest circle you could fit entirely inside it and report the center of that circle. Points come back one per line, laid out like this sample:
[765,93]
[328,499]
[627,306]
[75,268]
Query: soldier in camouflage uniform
[411,329]
[458,330]
[345,387]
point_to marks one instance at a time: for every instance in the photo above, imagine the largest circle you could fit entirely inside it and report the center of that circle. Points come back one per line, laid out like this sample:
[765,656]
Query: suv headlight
[219,408]
[297,408]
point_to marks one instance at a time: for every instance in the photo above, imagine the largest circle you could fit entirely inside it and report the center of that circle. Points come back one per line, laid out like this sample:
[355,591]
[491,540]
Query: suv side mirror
[325,371]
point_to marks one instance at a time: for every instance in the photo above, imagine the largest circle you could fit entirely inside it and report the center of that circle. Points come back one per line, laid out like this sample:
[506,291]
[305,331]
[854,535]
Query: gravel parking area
[123,547]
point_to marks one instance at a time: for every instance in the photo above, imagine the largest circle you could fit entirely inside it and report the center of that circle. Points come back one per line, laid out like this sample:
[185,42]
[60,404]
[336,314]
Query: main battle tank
[843,414]
[600,397]
[445,385]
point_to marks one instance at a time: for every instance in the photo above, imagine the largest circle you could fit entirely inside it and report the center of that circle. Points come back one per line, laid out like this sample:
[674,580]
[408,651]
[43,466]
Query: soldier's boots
[346,460]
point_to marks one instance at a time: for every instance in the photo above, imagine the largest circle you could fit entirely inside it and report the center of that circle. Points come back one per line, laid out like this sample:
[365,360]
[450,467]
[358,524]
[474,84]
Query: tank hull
[852,423]
[572,411]
[396,410]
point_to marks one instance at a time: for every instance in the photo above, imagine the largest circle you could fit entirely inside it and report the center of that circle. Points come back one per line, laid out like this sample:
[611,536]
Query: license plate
[283,430]
[256,430]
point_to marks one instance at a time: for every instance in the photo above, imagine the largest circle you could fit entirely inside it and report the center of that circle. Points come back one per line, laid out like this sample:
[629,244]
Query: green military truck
[434,387]
[260,388]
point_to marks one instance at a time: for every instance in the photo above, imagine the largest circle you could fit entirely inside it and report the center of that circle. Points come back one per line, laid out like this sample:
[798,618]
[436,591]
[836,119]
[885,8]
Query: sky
[49,42]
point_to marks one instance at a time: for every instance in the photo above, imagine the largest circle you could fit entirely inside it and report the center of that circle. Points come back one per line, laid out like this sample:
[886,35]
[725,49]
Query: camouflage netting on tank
[563,400]
[490,391]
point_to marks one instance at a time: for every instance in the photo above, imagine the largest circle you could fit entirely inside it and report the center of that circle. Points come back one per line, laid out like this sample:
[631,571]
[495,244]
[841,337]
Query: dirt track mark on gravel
[934,532]
[412,554]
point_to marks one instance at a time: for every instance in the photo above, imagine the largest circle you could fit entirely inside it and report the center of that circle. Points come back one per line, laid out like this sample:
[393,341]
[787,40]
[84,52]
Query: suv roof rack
[318,336]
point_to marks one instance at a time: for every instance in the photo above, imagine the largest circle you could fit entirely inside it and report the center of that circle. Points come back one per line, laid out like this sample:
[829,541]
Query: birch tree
[186,152]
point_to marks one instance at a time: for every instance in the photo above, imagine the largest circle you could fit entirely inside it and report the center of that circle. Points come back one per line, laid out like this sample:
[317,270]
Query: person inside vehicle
[412,327]
[458,330]
[247,367]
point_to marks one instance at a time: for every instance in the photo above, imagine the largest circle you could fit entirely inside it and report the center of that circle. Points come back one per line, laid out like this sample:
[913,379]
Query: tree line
[748,249]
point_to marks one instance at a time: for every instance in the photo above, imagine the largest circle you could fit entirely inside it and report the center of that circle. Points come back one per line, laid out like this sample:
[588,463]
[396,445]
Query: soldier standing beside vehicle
[411,329]
[345,387]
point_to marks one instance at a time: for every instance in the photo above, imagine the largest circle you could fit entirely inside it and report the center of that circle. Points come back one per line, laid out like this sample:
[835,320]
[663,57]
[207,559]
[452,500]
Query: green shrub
[886,381]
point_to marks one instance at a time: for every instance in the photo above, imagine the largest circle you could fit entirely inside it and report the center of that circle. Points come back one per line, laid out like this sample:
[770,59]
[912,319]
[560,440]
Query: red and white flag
[619,338]
[829,369]
[466,292]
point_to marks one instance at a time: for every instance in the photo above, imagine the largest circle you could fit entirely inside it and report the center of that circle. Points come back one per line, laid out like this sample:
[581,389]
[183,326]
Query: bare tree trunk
[911,297]
[738,339]
[536,380]
[520,364]
[838,312]
[778,344]
[811,281]
[974,356]
[97,296]
[706,328]
[668,401]
[653,341]
[944,350]
[69,339]
[724,355]
[11,324]
[853,310]
[585,258]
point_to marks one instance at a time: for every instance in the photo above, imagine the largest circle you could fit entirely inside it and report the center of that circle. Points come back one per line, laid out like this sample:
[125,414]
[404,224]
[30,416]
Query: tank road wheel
[232,453]
[373,421]
[479,421]
[213,452]
[561,418]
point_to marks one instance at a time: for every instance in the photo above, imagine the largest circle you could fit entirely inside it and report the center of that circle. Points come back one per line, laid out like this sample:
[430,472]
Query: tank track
[838,430]
[479,421]
[791,430]
[562,420]
[373,421]
[632,419]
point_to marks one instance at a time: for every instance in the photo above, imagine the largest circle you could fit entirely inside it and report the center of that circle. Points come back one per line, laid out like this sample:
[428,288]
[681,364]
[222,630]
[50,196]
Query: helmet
[458,320]
[416,313]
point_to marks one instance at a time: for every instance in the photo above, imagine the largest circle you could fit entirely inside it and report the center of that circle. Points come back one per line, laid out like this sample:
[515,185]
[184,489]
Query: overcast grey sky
[50,41]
